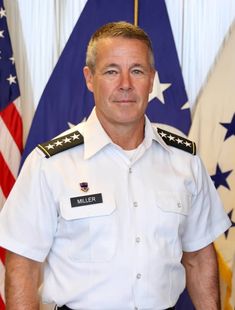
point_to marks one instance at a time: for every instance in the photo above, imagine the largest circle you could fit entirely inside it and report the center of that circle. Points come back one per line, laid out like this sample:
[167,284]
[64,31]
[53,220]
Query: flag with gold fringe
[213,129]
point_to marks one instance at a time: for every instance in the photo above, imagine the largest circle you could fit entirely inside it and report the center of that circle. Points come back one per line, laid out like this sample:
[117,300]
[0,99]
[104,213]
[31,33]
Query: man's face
[122,81]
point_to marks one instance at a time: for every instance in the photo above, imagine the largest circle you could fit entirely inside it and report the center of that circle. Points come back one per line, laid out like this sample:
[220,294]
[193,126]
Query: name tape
[86,200]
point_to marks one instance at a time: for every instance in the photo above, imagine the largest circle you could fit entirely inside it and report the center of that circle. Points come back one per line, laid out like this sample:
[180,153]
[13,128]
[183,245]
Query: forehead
[121,48]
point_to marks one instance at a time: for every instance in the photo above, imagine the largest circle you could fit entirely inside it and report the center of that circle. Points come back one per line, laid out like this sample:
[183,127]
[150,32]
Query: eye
[137,72]
[111,72]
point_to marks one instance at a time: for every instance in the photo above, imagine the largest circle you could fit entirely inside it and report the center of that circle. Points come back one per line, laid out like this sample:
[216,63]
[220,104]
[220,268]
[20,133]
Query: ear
[152,80]
[88,77]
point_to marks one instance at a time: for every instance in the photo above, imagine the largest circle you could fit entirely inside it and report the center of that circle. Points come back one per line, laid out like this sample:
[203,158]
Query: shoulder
[177,141]
[63,142]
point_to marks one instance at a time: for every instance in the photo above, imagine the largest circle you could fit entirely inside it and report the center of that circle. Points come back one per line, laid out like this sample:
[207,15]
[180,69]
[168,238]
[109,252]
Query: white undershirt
[131,153]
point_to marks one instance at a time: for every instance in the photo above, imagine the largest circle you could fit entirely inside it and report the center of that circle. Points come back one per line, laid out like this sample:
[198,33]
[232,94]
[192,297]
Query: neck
[128,137]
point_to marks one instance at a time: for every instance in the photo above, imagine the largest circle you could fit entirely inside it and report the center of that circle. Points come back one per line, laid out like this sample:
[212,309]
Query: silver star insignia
[171,138]
[75,136]
[163,134]
[58,143]
[179,141]
[50,146]
[187,144]
[67,140]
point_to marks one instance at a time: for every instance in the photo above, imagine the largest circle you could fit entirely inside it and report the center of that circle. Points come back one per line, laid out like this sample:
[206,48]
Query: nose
[125,81]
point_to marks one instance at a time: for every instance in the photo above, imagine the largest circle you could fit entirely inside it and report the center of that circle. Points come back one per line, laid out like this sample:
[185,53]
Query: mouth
[124,101]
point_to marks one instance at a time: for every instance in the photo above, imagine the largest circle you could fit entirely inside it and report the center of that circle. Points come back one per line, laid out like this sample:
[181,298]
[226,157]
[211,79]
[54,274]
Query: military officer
[122,214]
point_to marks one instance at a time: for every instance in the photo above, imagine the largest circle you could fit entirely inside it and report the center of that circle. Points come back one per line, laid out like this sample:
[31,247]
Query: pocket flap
[174,202]
[78,207]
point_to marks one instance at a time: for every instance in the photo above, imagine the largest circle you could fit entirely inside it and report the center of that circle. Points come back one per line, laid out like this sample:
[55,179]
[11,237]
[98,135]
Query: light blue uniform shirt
[124,252]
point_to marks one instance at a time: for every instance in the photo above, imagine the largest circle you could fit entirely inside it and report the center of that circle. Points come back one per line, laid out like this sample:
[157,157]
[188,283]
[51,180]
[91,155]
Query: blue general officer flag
[171,105]
[66,98]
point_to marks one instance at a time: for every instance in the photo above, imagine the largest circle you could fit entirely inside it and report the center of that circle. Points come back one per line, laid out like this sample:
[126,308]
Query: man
[117,215]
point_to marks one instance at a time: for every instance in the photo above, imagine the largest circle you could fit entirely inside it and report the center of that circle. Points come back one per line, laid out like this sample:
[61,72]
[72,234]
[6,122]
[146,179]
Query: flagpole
[136,7]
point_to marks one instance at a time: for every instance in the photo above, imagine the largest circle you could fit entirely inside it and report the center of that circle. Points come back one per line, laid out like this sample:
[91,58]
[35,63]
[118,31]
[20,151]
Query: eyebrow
[111,65]
[117,66]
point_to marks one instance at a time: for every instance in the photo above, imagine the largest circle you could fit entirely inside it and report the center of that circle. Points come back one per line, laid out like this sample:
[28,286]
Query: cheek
[144,89]
[105,90]
[101,93]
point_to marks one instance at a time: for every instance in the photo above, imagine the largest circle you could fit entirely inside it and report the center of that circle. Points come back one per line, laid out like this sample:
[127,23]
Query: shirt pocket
[90,230]
[175,203]
[171,210]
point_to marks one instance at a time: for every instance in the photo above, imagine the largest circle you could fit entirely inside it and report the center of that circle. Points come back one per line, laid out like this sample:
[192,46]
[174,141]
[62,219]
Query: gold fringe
[226,275]
[136,9]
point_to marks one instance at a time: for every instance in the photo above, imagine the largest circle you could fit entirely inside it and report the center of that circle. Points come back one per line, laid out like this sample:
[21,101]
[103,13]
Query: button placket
[137,239]
[135,204]
[138,276]
[136,235]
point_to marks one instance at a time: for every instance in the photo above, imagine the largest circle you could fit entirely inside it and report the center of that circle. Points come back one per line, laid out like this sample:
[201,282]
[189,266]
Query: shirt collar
[95,137]
[151,134]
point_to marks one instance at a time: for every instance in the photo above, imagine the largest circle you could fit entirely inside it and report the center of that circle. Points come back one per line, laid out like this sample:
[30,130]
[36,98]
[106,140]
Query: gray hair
[113,30]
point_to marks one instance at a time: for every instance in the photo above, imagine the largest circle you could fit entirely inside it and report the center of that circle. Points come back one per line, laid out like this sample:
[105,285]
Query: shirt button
[137,239]
[179,205]
[130,170]
[138,276]
[135,204]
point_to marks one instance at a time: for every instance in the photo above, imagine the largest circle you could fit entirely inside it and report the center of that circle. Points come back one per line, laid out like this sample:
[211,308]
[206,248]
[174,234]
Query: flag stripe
[2,200]
[1,302]
[2,255]
[7,180]
[9,150]
[18,106]
[13,122]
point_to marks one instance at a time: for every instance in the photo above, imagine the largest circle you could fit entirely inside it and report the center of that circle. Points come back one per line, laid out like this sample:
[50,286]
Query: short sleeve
[29,216]
[207,218]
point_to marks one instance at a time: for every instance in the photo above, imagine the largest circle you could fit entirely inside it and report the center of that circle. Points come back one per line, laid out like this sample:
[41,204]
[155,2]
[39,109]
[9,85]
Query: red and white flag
[11,145]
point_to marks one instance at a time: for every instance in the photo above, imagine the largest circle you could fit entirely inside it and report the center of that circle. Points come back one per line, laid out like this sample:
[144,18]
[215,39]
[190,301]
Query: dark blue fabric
[8,92]
[66,98]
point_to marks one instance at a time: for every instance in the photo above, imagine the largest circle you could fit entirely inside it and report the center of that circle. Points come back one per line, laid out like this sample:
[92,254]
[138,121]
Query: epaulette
[61,144]
[177,141]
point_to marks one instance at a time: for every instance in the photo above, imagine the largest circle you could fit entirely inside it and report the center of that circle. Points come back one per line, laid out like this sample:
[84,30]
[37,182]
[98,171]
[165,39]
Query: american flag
[11,146]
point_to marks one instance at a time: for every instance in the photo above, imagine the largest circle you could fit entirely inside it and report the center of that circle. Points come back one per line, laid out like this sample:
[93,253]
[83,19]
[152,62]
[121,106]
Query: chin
[128,119]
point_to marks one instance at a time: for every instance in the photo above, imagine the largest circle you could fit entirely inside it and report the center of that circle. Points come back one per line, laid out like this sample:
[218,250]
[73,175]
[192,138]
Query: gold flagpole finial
[136,8]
